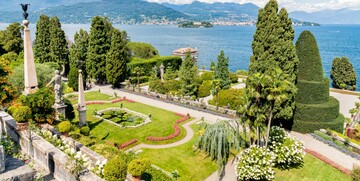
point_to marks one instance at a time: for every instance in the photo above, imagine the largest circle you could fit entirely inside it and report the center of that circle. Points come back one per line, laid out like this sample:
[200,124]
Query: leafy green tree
[170,73]
[228,97]
[142,50]
[187,73]
[42,39]
[99,45]
[138,71]
[11,38]
[58,44]
[273,48]
[117,58]
[342,72]
[212,66]
[7,90]
[222,71]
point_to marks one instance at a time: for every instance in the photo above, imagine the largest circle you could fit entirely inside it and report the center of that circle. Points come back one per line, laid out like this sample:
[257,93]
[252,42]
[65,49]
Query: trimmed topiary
[315,109]
[22,114]
[115,169]
[85,130]
[138,166]
[64,126]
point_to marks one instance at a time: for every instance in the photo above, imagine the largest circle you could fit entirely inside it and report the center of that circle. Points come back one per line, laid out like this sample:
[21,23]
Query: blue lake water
[333,41]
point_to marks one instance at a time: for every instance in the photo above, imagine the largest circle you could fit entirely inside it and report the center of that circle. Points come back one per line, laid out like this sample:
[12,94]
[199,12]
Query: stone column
[81,101]
[29,64]
[2,159]
[162,67]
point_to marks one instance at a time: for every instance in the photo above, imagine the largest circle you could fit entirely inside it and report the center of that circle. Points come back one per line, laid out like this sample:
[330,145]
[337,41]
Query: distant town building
[181,52]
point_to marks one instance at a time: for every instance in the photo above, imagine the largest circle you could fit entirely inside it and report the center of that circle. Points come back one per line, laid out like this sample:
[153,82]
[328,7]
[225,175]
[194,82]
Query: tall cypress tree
[117,58]
[222,71]
[187,75]
[42,40]
[58,44]
[11,39]
[273,48]
[77,57]
[98,48]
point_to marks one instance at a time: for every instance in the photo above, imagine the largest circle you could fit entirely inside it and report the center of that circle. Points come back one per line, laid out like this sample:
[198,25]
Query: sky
[290,5]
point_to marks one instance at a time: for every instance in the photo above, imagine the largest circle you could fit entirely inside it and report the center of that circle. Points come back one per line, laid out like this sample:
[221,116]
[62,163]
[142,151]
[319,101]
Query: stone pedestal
[60,109]
[2,159]
[82,117]
[29,64]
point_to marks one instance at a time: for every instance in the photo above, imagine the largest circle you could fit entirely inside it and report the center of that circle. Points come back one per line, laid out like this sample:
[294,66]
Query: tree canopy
[187,73]
[42,39]
[142,50]
[343,73]
[222,71]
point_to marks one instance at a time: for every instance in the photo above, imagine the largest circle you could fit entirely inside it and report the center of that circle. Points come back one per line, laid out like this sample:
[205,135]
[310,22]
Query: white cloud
[291,5]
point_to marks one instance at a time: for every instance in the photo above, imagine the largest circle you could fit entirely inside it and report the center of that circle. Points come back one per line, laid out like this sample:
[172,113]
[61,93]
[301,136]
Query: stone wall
[42,152]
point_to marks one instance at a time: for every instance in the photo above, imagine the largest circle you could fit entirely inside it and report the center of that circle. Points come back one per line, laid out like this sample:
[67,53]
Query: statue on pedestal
[162,67]
[25,7]
[57,86]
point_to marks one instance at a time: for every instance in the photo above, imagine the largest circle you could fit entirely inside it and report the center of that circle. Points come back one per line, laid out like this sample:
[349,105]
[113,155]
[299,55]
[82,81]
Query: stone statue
[25,7]
[57,86]
[162,67]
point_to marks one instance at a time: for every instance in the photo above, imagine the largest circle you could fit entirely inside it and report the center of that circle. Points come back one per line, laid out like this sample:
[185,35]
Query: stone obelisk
[29,64]
[81,101]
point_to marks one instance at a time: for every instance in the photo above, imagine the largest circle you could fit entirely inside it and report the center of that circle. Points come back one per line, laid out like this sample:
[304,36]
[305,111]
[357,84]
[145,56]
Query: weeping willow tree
[218,139]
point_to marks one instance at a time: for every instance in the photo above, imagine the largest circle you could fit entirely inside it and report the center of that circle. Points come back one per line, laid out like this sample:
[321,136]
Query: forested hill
[124,11]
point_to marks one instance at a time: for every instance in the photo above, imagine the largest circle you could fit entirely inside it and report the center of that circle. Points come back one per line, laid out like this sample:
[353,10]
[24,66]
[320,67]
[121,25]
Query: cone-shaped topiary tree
[315,109]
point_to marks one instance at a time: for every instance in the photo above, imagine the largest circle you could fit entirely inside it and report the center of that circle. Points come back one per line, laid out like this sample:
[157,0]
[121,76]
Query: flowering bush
[289,151]
[126,144]
[256,164]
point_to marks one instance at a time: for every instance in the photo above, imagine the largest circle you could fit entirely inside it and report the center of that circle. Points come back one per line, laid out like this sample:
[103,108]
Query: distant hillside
[12,5]
[341,16]
[217,11]
[124,11]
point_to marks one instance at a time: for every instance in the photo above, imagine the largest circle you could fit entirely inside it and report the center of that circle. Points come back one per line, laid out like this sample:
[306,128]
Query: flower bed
[176,128]
[126,144]
[328,161]
[115,121]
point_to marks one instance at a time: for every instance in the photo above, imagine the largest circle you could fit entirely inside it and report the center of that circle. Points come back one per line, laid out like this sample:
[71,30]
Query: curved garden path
[189,135]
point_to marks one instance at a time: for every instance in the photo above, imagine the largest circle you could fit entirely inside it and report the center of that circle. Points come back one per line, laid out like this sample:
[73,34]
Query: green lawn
[93,96]
[161,125]
[191,165]
[313,169]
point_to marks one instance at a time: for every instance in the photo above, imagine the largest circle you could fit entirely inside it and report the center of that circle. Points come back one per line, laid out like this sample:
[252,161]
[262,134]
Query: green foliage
[99,44]
[242,72]
[77,58]
[142,50]
[44,74]
[69,110]
[42,39]
[217,140]
[85,130]
[64,126]
[11,40]
[315,109]
[231,97]
[12,57]
[7,90]
[58,44]
[22,114]
[105,150]
[187,73]
[73,78]
[148,64]
[142,79]
[170,73]
[117,57]
[138,166]
[342,72]
[207,76]
[234,78]
[355,173]
[256,163]
[205,89]
[166,87]
[273,48]
[41,104]
[152,173]
[212,66]
[222,71]
[115,169]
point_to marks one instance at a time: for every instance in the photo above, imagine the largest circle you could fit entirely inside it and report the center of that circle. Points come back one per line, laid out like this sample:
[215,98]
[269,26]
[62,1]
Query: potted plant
[64,127]
[137,167]
[22,114]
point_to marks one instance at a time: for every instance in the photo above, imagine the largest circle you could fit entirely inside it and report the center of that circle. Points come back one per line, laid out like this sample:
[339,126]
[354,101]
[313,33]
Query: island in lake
[192,24]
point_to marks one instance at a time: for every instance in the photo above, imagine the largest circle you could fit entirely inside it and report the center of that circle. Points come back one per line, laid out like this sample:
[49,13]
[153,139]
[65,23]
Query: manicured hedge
[229,96]
[147,65]
[318,112]
[142,79]
[312,92]
[164,87]
[308,126]
[152,173]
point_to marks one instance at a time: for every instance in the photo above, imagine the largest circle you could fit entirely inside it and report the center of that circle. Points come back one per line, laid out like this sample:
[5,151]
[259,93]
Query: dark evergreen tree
[315,109]
[273,48]
[78,52]
[42,40]
[11,38]
[342,73]
[117,58]
[222,71]
[58,44]
[142,50]
[187,73]
[98,48]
